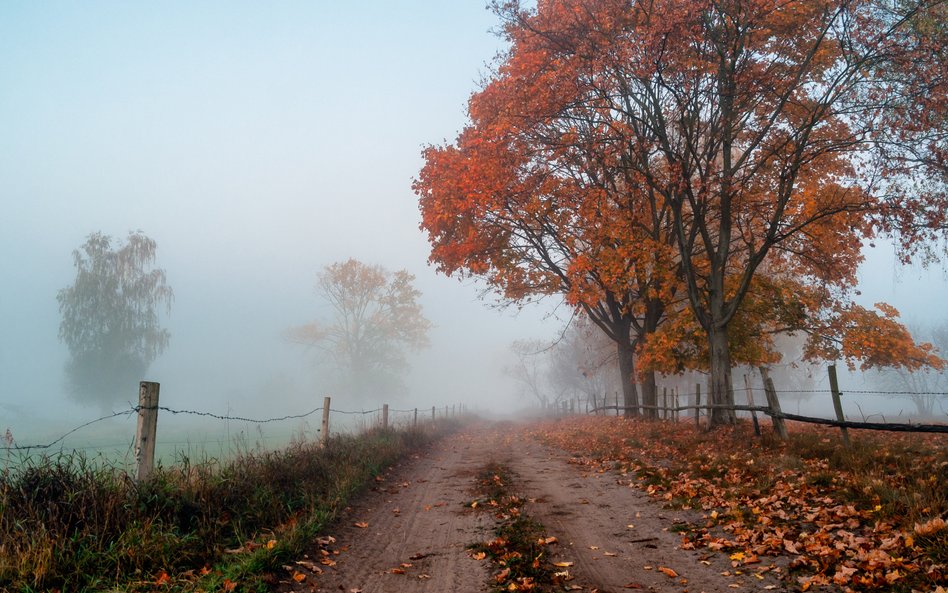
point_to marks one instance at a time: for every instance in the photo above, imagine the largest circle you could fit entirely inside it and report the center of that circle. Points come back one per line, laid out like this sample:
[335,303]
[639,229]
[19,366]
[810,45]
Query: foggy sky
[256,143]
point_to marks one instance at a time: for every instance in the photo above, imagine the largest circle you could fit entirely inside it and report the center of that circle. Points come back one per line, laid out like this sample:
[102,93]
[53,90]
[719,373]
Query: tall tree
[766,128]
[376,319]
[110,319]
[534,198]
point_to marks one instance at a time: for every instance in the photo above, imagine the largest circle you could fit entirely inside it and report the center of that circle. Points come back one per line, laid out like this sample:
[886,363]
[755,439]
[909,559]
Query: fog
[256,143]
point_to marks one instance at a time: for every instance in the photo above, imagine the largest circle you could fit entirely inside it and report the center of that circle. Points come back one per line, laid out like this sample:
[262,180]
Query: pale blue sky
[256,142]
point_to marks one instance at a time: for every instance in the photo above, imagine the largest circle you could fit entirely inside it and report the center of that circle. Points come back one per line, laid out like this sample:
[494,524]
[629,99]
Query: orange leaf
[667,571]
[361,524]
[299,577]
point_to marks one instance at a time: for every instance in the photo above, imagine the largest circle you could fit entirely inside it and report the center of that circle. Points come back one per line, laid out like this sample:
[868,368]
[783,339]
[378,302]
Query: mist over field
[257,144]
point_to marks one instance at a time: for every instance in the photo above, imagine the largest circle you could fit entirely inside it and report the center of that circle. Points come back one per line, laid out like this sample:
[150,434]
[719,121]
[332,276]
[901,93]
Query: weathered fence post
[384,416]
[664,403]
[414,420]
[774,404]
[145,429]
[837,403]
[750,402]
[324,427]
[697,405]
[432,413]
[617,403]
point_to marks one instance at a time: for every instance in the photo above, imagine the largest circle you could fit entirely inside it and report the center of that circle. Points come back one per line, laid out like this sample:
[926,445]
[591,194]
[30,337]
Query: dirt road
[411,532]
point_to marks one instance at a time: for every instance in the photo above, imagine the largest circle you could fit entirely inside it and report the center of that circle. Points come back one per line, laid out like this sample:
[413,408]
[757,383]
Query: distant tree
[376,319]
[926,387]
[110,317]
[530,369]
[583,361]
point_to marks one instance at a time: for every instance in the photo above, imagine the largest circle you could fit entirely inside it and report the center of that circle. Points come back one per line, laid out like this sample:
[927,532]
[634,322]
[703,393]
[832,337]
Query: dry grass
[70,526]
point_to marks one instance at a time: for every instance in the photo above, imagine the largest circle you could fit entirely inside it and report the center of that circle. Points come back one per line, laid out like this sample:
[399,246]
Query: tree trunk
[722,392]
[649,395]
[630,394]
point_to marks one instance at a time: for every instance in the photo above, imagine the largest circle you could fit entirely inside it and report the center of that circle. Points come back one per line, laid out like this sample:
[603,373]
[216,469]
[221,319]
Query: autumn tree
[110,317]
[534,198]
[769,130]
[376,320]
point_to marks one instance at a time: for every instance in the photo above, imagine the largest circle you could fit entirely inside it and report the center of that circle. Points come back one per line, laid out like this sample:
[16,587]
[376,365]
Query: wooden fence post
[677,405]
[664,403]
[617,403]
[432,413]
[145,429]
[708,404]
[750,402]
[414,421]
[697,405]
[774,404]
[837,403]
[324,427]
[384,416]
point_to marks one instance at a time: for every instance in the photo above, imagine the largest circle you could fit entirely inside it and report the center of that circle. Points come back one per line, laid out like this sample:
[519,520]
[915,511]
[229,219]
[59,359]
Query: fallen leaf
[478,555]
[633,586]
[361,524]
[609,554]
[163,579]
[397,571]
[229,585]
[667,571]
[299,577]
[562,564]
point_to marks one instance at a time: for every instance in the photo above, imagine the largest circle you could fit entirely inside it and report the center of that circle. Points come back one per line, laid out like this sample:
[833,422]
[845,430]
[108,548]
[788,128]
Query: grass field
[71,523]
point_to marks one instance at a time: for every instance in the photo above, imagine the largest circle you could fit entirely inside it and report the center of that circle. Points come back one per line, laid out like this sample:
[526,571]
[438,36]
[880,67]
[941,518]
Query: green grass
[70,525]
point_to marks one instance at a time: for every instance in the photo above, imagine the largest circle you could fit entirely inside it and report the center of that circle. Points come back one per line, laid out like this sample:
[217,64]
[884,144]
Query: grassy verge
[69,526]
[519,550]
[871,518]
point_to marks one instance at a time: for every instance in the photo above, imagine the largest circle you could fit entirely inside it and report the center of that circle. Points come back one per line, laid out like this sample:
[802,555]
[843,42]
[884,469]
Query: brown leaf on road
[633,586]
[361,524]
[670,573]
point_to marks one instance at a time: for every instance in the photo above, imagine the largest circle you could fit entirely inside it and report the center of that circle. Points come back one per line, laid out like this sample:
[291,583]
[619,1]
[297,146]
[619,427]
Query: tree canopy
[110,317]
[713,167]
[376,320]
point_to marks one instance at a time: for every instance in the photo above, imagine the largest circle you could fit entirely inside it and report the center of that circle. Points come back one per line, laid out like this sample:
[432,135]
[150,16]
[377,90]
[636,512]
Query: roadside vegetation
[69,525]
[519,550]
[871,518]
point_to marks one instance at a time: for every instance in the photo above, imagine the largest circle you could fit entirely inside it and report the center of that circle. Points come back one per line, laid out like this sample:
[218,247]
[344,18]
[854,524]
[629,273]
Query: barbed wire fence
[148,409]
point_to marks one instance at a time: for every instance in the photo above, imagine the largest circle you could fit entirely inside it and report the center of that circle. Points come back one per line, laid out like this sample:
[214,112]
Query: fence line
[886,426]
[144,442]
